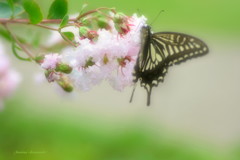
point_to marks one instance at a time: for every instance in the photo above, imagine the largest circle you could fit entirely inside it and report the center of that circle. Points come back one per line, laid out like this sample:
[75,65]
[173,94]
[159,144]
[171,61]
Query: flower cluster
[106,51]
[9,79]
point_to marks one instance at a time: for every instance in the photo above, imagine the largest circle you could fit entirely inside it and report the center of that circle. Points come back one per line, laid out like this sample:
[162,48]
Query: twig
[18,42]
[93,11]
[47,27]
[26,21]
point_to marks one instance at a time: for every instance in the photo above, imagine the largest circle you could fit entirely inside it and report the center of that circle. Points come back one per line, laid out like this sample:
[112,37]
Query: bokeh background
[194,115]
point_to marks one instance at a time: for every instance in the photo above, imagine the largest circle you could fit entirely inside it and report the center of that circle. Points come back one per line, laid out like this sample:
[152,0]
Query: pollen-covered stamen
[123,61]
[89,62]
[105,59]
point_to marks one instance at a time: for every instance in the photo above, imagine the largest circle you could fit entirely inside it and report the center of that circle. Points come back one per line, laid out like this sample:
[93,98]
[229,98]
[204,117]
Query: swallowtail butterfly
[161,50]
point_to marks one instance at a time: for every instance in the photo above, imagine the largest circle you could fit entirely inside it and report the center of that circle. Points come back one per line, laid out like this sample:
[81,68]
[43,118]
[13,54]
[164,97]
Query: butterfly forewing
[179,47]
[159,51]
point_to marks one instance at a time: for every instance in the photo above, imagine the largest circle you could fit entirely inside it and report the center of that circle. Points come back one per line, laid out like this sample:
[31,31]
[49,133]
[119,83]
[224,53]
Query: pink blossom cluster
[111,57]
[9,78]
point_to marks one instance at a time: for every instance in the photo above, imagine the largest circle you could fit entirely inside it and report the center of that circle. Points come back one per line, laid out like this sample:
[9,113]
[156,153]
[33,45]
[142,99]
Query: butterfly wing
[159,51]
[179,47]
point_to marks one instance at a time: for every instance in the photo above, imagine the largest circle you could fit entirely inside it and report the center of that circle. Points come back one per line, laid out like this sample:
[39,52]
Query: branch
[47,27]
[18,42]
[26,21]
[93,11]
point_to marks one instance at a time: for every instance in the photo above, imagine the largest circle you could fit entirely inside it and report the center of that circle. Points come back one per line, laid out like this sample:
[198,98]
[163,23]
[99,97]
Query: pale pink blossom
[123,77]
[9,78]
[111,57]
[4,63]
[51,60]
[8,83]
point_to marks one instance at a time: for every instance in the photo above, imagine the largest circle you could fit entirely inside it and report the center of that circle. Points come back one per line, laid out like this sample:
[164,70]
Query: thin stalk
[93,11]
[18,42]
[26,21]
[47,27]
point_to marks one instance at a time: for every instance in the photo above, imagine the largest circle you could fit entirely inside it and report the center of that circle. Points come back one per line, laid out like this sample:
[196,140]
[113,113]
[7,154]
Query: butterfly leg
[133,93]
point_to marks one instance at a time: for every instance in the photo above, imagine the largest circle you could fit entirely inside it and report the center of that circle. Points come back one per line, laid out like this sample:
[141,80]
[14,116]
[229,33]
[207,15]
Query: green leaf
[5,34]
[68,36]
[6,10]
[11,4]
[64,21]
[58,9]
[33,10]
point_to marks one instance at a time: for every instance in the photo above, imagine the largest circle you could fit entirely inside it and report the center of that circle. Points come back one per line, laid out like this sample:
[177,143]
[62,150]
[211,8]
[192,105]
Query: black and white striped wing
[179,47]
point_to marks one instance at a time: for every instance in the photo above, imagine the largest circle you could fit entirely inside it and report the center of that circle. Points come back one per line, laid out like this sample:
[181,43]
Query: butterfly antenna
[156,17]
[132,93]
[149,96]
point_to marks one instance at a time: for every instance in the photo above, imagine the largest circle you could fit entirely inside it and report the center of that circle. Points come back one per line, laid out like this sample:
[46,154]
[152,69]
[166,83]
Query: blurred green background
[194,115]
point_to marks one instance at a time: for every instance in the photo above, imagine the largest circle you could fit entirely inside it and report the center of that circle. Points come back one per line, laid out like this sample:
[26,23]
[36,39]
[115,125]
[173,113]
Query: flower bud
[64,68]
[65,84]
[51,76]
[92,35]
[39,59]
[119,18]
[47,73]
[121,23]
[86,22]
[83,31]
[103,23]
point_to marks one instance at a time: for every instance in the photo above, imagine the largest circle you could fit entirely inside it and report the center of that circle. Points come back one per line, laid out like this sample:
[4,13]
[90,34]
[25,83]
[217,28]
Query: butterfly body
[161,50]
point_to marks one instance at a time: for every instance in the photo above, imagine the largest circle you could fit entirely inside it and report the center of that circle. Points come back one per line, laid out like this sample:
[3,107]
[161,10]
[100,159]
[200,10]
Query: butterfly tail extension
[133,93]
[149,91]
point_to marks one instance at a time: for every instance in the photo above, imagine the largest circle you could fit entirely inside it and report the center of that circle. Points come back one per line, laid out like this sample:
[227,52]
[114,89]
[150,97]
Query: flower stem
[18,42]
[47,27]
[26,21]
[93,11]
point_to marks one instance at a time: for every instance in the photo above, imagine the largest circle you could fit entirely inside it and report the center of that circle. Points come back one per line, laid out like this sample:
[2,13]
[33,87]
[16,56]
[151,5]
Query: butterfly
[161,50]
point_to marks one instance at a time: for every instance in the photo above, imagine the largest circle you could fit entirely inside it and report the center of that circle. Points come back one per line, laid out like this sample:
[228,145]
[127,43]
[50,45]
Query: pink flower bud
[85,32]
